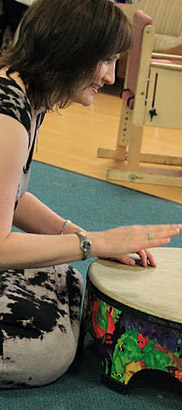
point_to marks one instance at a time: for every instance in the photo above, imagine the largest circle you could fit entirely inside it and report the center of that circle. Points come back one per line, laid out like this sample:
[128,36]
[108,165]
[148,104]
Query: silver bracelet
[64,226]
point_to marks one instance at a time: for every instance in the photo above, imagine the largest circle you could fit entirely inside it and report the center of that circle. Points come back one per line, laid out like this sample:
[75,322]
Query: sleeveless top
[14,103]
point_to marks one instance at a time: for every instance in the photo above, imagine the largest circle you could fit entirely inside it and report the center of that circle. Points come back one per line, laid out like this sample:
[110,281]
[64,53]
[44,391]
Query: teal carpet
[97,205]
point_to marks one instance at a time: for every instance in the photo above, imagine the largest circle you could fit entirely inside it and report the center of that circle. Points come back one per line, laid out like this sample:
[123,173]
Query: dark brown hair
[60,44]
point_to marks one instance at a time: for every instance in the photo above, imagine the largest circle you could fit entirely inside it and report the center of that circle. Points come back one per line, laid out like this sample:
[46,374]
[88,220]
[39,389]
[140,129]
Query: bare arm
[33,216]
[21,250]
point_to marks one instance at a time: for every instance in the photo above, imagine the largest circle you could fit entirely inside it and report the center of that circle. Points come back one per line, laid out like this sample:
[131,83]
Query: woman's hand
[117,243]
[145,257]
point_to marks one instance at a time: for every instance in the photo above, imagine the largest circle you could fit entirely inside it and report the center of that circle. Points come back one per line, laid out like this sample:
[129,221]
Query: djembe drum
[135,315]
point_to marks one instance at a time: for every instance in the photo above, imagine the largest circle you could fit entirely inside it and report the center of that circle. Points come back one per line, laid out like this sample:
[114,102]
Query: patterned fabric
[39,308]
[14,103]
[39,324]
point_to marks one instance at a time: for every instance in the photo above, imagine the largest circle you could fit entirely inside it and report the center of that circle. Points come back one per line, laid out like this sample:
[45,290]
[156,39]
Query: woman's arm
[13,152]
[33,216]
[21,250]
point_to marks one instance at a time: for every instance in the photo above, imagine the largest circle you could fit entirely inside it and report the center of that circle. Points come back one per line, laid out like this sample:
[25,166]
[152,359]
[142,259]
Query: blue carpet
[96,205]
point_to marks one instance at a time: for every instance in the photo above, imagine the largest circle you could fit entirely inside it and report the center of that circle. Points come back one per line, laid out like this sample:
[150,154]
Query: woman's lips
[95,88]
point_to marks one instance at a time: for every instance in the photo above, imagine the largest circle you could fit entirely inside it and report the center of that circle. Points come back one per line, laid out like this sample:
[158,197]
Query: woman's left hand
[145,256]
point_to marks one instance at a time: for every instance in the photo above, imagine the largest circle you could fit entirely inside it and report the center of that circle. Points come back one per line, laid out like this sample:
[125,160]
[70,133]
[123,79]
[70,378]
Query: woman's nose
[109,77]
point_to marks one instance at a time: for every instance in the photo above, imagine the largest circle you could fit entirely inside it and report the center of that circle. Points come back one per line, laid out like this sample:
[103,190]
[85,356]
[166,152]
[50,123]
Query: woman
[65,53]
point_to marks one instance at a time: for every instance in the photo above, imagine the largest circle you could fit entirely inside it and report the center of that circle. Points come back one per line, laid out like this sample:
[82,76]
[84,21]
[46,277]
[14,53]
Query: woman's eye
[109,60]
[112,59]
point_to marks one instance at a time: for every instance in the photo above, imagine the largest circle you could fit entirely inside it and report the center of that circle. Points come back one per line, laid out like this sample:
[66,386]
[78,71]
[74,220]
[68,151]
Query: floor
[70,140]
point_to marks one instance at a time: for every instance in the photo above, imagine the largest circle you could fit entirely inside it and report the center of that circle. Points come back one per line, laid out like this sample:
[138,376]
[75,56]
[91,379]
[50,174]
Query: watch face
[86,245]
[86,248]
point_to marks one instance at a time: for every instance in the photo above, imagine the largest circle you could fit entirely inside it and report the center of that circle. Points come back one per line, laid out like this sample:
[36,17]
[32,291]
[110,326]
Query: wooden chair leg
[119,153]
[132,171]
[129,169]
[134,149]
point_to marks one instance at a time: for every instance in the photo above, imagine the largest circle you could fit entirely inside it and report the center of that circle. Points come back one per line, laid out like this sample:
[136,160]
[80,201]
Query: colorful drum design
[135,315]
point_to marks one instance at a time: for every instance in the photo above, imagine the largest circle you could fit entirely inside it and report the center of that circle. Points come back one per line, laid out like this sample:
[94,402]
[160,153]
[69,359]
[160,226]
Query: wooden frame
[158,104]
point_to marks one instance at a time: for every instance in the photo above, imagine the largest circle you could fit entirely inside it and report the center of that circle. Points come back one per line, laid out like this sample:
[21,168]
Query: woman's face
[104,74]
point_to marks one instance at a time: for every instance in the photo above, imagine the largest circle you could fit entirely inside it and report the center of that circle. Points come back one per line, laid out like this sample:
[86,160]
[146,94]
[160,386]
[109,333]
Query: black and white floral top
[15,103]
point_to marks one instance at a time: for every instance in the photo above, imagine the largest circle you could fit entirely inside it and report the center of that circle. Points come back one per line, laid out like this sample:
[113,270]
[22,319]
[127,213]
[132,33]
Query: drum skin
[130,338]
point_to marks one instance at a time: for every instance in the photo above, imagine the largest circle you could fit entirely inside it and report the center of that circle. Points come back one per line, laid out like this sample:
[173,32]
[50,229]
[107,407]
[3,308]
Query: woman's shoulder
[13,99]
[15,77]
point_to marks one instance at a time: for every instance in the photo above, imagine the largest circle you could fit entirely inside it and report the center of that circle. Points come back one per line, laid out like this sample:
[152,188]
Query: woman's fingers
[160,235]
[150,258]
[147,258]
[126,259]
[162,231]
[144,258]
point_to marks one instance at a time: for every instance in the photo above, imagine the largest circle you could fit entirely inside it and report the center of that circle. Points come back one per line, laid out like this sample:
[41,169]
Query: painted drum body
[135,316]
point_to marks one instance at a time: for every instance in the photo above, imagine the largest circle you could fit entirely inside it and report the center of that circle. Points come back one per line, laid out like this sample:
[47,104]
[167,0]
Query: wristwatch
[85,245]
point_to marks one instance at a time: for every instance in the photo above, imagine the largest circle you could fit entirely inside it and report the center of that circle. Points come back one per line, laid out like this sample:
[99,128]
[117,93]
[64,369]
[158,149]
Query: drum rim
[133,305]
[135,311]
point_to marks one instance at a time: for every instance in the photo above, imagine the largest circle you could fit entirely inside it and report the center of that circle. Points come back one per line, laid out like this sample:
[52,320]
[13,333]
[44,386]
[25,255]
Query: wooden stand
[157,103]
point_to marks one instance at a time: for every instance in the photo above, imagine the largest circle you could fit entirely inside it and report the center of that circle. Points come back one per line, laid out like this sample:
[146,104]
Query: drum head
[156,291]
